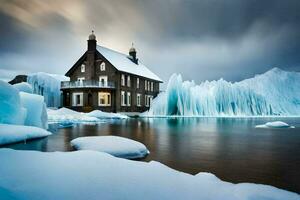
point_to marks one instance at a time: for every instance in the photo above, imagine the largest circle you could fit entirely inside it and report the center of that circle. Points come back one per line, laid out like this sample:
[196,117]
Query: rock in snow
[275,92]
[17,133]
[94,175]
[114,145]
[276,124]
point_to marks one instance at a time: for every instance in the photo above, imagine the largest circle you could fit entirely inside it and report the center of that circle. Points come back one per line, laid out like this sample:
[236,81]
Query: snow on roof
[124,64]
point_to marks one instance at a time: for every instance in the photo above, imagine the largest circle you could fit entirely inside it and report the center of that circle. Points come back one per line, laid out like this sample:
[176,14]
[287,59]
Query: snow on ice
[273,93]
[100,114]
[96,175]
[24,87]
[114,145]
[276,124]
[47,85]
[17,133]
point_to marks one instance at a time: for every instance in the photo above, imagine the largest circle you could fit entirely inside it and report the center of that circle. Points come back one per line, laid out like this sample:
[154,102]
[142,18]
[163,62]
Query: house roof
[122,63]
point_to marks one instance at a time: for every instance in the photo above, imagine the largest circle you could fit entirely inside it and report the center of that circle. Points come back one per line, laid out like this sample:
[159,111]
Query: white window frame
[137,82]
[105,81]
[107,98]
[80,81]
[128,81]
[146,85]
[102,66]
[123,98]
[123,80]
[74,99]
[82,69]
[128,99]
[138,99]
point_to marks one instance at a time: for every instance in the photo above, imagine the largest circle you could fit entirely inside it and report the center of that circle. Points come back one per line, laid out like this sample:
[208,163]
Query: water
[233,149]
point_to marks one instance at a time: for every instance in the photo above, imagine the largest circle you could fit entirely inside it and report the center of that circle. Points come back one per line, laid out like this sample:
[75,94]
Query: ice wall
[24,87]
[274,93]
[47,85]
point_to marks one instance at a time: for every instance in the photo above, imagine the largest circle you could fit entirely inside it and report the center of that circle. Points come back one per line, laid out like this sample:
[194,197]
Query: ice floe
[95,175]
[114,145]
[275,124]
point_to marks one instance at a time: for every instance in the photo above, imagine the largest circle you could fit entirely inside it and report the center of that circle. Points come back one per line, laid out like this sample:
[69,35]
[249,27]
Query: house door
[103,81]
[77,99]
[90,99]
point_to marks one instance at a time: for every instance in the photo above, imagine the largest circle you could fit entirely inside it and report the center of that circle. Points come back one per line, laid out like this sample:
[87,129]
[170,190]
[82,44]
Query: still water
[231,148]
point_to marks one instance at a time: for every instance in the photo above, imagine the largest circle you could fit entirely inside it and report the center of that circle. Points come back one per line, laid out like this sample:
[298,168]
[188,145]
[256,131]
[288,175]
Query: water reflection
[231,148]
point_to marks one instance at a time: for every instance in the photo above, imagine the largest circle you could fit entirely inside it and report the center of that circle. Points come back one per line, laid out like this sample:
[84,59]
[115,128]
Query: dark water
[230,148]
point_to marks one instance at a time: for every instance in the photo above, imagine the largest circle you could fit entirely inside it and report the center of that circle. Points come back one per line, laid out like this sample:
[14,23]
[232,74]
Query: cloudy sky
[201,39]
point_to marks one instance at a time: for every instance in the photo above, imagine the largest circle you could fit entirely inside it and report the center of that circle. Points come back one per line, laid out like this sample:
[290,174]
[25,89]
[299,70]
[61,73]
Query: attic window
[102,66]
[83,68]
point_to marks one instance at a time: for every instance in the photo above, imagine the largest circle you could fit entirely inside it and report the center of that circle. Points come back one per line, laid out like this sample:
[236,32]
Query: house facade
[109,81]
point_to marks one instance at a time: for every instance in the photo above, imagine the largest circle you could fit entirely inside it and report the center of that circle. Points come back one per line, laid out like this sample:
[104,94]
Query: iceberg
[47,85]
[24,87]
[10,133]
[276,124]
[274,93]
[96,175]
[113,145]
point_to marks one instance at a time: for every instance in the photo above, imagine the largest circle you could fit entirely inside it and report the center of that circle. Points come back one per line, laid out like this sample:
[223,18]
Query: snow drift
[47,85]
[274,93]
[96,175]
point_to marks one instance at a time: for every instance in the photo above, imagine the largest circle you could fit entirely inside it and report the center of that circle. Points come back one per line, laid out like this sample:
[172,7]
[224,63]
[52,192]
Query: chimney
[132,54]
[92,42]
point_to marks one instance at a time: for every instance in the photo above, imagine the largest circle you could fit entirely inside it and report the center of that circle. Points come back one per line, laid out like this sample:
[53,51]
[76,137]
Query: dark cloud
[202,39]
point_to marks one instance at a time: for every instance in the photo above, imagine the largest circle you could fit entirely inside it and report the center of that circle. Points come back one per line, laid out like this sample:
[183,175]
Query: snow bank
[95,175]
[47,85]
[274,93]
[114,145]
[100,114]
[65,115]
[17,133]
[276,124]
[36,110]
[24,87]
[11,110]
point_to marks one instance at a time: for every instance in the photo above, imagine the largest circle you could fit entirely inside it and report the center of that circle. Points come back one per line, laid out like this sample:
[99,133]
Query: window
[137,83]
[104,98]
[123,80]
[128,81]
[145,85]
[128,99]
[148,85]
[103,81]
[102,66]
[83,68]
[138,99]
[77,99]
[123,103]
[148,100]
[80,81]
[152,86]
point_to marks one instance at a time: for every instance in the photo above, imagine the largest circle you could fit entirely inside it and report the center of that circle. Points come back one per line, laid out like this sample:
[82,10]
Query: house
[110,81]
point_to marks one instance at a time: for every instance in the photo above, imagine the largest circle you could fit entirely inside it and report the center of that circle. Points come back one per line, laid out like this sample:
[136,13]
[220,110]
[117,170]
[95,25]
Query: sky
[200,39]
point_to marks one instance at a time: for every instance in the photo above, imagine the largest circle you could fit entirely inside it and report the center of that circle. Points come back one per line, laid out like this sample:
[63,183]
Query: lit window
[128,81]
[104,98]
[123,80]
[83,68]
[102,66]
[123,103]
[137,82]
[128,99]
[138,99]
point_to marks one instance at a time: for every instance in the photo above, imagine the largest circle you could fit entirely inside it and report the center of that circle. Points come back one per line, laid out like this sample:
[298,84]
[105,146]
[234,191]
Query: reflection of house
[110,81]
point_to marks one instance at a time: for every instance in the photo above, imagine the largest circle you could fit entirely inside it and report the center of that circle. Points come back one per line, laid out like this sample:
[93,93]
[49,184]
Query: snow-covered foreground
[67,116]
[17,133]
[276,124]
[113,145]
[274,93]
[95,175]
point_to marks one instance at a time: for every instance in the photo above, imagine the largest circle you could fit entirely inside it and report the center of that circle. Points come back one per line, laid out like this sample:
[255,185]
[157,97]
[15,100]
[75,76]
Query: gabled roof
[122,63]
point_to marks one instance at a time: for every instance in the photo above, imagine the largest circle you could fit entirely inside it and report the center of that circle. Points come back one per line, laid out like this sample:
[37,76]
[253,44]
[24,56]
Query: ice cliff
[275,92]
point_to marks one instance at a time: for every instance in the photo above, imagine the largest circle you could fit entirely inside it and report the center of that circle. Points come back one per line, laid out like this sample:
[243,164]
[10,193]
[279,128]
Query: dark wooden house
[109,81]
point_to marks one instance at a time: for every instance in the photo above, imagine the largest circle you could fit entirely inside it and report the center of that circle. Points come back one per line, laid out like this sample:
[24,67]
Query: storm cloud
[201,39]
